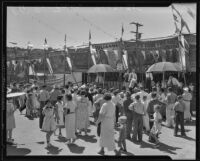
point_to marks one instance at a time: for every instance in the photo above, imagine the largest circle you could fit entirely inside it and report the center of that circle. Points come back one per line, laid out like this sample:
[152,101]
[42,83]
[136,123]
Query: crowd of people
[133,110]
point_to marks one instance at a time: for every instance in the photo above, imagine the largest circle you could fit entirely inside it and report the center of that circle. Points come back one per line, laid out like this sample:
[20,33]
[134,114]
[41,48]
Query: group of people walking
[131,110]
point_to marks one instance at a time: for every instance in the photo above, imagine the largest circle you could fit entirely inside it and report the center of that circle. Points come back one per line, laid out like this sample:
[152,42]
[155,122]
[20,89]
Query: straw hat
[122,119]
[186,89]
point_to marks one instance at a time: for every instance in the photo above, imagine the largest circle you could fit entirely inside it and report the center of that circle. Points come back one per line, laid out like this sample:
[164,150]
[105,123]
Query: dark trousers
[179,120]
[138,125]
[117,113]
[41,118]
[148,84]
[99,129]
[129,124]
[150,122]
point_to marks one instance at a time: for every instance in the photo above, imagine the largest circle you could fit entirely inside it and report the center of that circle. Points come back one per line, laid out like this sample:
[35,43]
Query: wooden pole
[103,79]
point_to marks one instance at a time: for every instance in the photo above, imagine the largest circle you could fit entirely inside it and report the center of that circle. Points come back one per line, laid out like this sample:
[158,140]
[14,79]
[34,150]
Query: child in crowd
[122,133]
[155,131]
[10,119]
[49,124]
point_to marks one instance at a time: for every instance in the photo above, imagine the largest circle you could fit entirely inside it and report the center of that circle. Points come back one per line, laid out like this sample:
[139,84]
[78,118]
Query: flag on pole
[189,11]
[49,66]
[122,31]
[92,50]
[45,41]
[184,24]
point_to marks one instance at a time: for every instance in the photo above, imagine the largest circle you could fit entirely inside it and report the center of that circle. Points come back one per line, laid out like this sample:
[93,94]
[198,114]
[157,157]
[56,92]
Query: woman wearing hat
[187,97]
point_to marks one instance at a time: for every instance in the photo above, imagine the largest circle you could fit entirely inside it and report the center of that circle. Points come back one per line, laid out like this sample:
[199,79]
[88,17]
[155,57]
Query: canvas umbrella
[163,67]
[101,68]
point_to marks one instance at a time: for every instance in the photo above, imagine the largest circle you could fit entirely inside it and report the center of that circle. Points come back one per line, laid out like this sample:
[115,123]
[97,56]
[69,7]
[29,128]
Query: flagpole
[65,55]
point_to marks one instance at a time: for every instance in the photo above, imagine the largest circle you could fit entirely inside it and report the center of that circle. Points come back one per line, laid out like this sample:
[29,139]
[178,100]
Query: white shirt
[132,76]
[174,81]
[149,75]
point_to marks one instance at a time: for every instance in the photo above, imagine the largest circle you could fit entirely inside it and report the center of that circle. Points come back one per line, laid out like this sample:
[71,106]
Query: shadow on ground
[61,139]
[74,148]
[163,147]
[88,138]
[14,150]
[53,150]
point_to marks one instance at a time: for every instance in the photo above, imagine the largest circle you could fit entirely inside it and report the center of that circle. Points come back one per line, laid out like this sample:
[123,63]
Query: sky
[34,24]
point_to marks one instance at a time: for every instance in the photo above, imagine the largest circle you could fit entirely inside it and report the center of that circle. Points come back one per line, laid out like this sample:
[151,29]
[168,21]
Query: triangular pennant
[189,11]
[184,24]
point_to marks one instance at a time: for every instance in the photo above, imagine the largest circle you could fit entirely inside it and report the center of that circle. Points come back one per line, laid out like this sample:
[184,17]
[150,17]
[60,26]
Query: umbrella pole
[163,78]
[184,78]
[103,79]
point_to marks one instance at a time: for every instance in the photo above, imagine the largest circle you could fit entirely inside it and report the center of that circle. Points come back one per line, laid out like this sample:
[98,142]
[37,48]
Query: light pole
[138,36]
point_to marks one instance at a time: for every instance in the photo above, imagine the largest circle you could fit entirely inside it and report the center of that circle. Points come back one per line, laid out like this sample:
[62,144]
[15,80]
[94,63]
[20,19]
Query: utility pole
[138,36]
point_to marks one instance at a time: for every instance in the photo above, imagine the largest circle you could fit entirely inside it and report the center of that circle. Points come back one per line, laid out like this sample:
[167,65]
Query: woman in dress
[187,97]
[59,113]
[49,124]
[69,112]
[10,119]
[107,119]
[82,116]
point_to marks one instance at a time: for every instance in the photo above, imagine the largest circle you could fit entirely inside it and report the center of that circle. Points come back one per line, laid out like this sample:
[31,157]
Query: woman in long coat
[107,119]
[82,115]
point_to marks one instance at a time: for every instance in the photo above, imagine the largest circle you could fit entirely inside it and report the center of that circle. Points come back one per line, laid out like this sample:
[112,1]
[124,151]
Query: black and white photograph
[101,81]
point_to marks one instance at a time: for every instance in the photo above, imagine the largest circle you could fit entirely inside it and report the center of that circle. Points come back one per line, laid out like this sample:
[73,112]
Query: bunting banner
[49,66]
[93,53]
[125,57]
[182,57]
[143,53]
[112,57]
[31,71]
[69,62]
